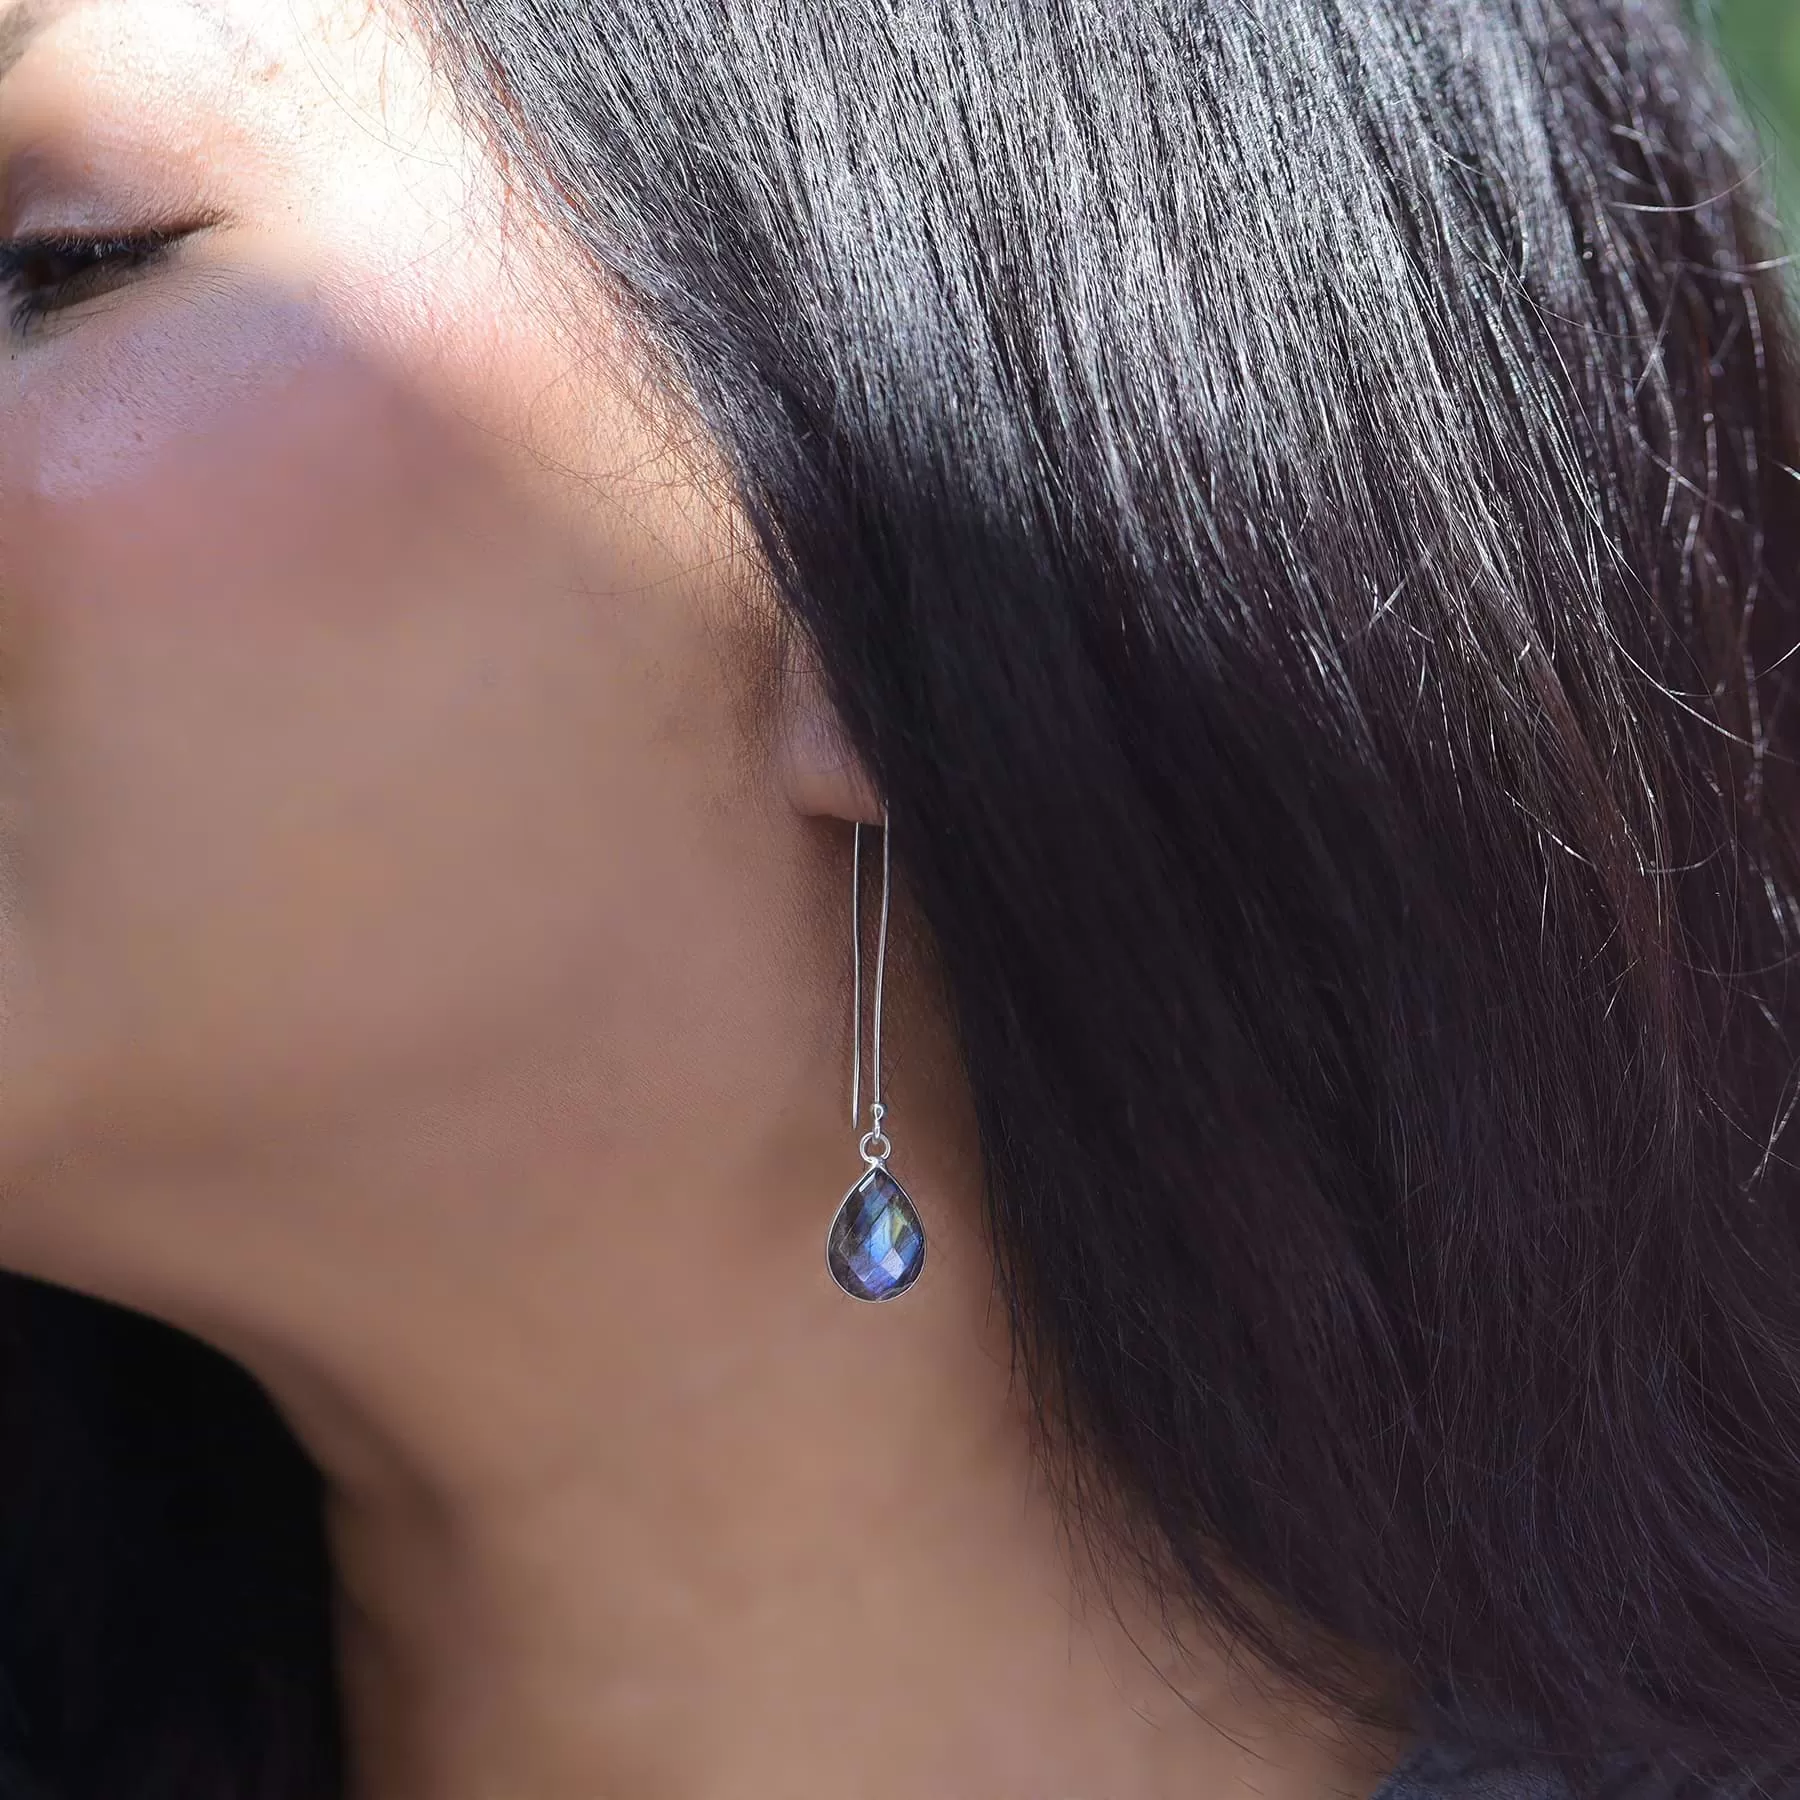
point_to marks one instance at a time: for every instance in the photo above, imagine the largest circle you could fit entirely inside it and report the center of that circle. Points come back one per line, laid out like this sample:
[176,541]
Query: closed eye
[47,274]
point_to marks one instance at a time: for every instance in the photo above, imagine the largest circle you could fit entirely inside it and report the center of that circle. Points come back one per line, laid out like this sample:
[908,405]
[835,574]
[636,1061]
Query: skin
[425,978]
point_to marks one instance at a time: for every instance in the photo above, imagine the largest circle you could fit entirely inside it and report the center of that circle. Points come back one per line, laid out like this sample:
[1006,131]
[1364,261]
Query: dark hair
[1294,501]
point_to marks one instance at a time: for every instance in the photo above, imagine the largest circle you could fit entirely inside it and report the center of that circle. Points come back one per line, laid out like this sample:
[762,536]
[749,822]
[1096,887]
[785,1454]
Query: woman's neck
[629,1502]
[805,1555]
[829,1572]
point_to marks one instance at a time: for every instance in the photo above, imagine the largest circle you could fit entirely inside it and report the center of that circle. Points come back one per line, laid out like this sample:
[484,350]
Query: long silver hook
[856,977]
[877,1110]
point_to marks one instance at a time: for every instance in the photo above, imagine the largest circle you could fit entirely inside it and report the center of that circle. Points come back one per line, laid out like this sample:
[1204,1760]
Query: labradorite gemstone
[877,1245]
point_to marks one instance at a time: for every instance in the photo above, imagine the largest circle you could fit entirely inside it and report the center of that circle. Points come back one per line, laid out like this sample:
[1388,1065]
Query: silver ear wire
[875,1145]
[876,1245]
[856,975]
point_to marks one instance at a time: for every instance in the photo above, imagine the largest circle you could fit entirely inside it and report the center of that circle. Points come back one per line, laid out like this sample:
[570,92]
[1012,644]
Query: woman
[1266,1263]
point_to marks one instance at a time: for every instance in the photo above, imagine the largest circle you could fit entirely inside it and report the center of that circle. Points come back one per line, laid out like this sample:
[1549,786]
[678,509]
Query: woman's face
[385,694]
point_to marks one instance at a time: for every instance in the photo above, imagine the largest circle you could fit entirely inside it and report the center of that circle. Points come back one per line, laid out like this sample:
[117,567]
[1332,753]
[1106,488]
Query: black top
[1436,1772]
[1432,1772]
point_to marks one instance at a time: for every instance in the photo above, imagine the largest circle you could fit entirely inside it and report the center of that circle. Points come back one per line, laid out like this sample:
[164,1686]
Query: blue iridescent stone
[877,1245]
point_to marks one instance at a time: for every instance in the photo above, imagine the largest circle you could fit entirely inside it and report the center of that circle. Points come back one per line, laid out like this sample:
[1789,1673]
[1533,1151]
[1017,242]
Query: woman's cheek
[306,688]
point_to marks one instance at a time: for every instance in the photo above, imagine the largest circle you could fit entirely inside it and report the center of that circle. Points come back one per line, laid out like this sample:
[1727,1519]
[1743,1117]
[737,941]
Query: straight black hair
[1294,500]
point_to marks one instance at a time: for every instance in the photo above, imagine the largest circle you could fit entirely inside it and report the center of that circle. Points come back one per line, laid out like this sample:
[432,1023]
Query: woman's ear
[820,773]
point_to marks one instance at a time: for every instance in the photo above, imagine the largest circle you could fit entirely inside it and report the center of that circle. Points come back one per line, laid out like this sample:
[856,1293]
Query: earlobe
[820,772]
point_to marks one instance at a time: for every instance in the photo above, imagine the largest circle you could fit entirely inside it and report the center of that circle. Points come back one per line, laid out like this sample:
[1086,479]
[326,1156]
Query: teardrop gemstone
[877,1245]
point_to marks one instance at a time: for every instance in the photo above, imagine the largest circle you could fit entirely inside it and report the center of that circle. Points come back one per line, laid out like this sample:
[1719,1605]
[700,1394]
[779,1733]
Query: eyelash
[43,275]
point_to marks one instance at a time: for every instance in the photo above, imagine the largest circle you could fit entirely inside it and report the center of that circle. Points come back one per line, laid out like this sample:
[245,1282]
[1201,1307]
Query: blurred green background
[1761,42]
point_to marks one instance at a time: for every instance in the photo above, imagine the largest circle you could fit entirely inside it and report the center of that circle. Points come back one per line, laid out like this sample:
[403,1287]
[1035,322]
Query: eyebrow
[19,24]
[22,22]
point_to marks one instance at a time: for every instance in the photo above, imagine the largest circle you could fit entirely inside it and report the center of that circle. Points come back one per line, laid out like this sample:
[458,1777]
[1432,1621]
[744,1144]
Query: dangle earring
[876,1245]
